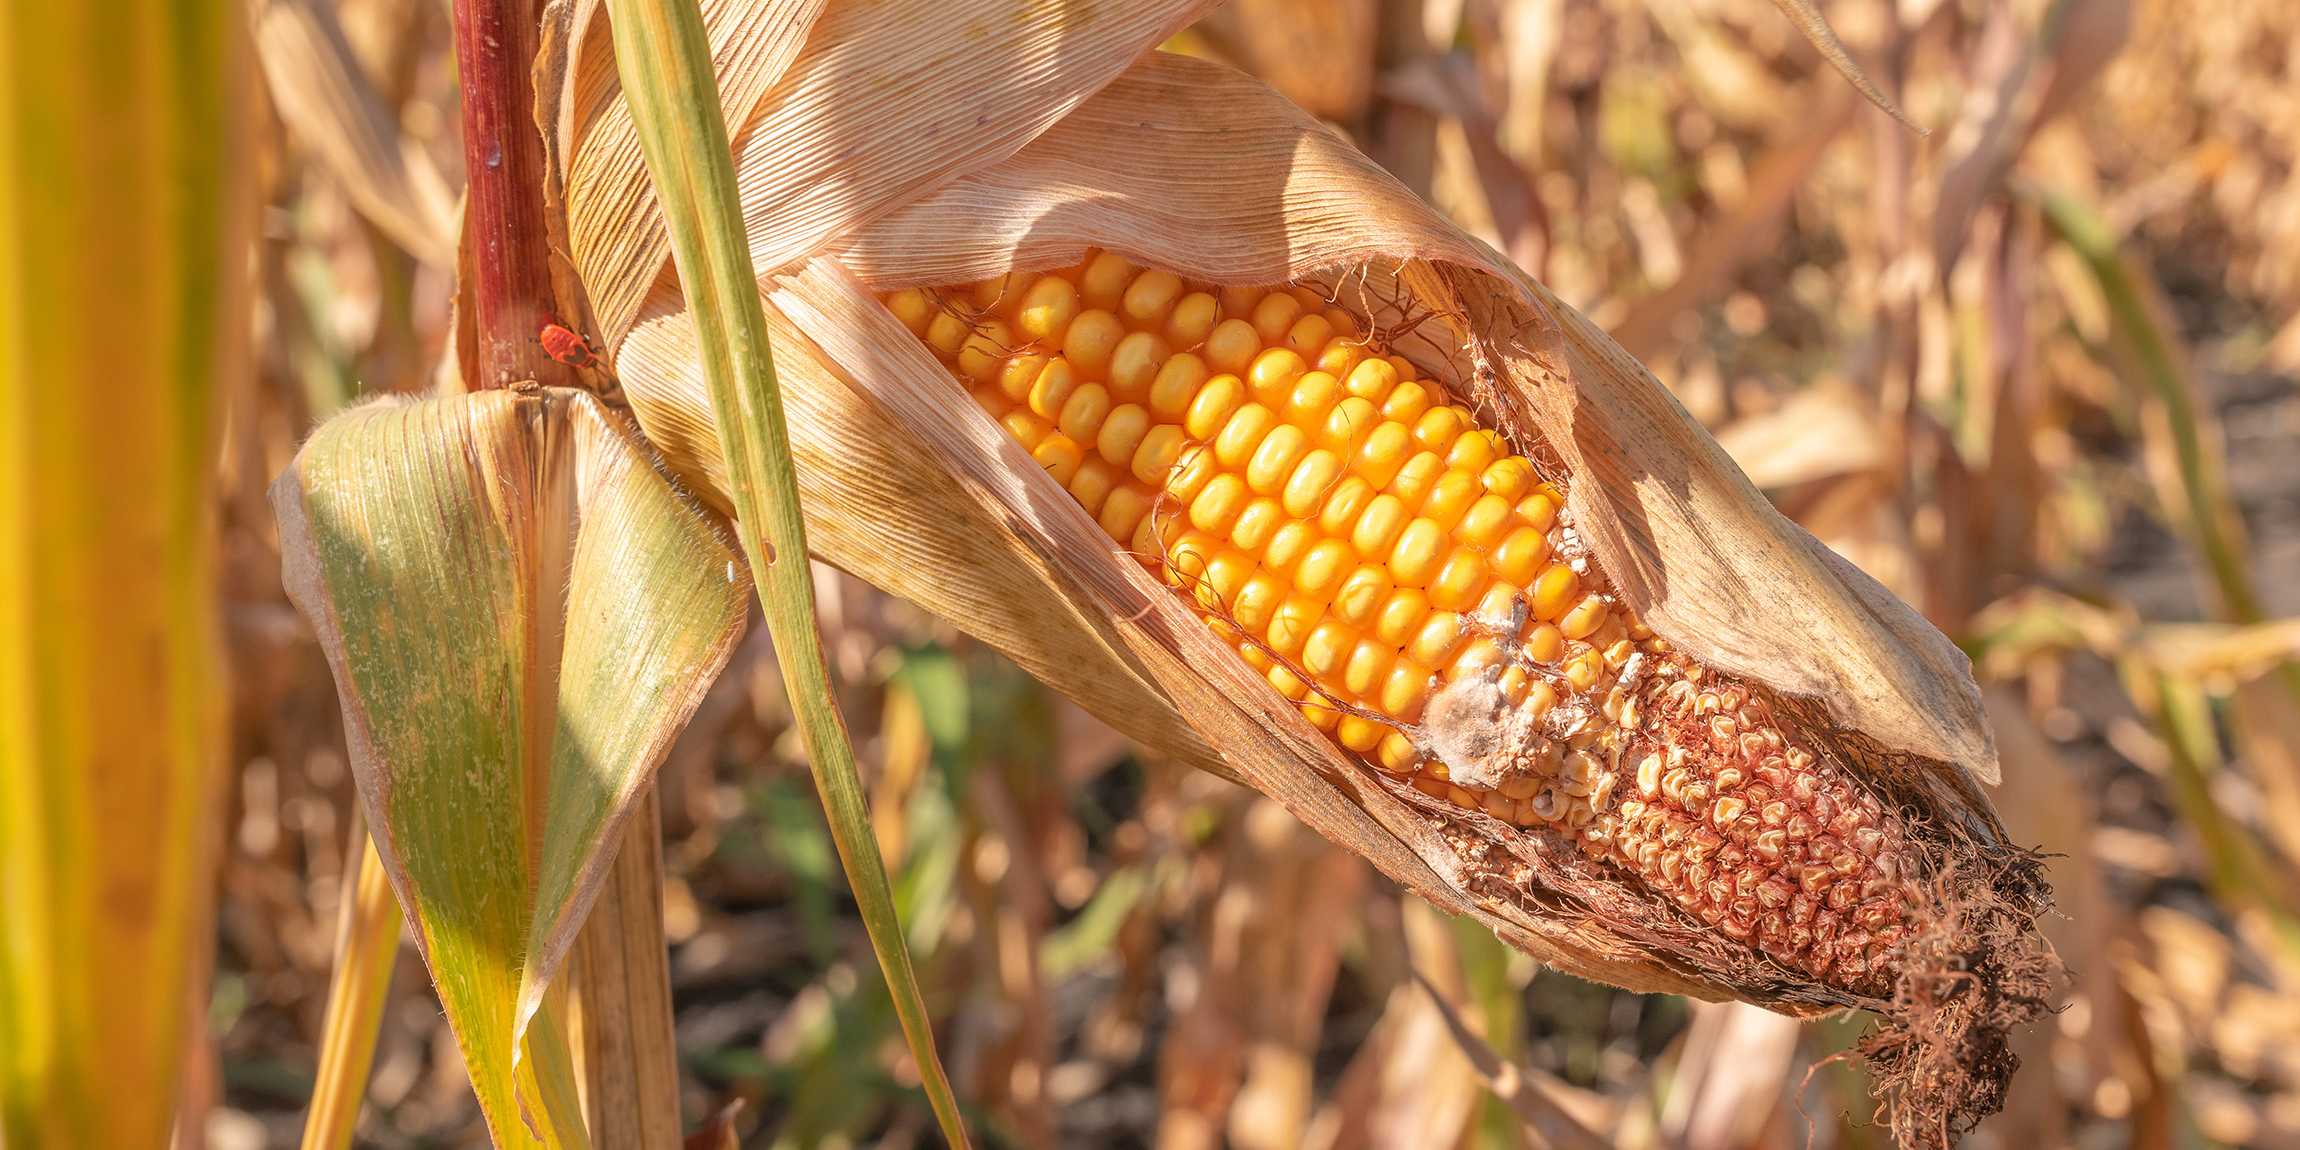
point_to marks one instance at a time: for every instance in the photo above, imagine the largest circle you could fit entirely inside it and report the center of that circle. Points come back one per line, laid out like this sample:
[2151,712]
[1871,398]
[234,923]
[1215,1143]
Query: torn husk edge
[1199,170]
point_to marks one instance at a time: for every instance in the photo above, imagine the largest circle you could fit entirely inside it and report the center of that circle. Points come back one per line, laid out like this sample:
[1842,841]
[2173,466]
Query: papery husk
[1197,169]
[884,101]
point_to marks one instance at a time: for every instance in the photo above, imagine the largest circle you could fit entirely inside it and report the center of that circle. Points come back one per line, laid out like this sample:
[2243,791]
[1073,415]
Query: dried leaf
[873,114]
[520,613]
[324,96]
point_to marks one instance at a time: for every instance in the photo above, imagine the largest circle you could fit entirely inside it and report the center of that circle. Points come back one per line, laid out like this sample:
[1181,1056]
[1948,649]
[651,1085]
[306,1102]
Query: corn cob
[1413,584]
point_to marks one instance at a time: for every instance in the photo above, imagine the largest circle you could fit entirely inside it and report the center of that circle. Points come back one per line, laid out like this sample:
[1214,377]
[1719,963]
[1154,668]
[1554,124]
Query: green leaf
[663,58]
[521,614]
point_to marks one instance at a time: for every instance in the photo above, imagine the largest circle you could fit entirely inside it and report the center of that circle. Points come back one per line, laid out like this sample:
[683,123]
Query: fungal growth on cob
[1415,585]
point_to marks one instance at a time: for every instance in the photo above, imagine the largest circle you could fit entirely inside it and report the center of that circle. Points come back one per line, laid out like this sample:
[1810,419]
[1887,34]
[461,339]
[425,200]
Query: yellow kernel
[1273,462]
[1047,309]
[1274,315]
[1052,388]
[1256,524]
[1321,713]
[1359,733]
[1242,433]
[1328,647]
[1413,481]
[1396,754]
[1514,684]
[1322,568]
[1371,380]
[1091,484]
[1151,536]
[1226,572]
[1291,624]
[1520,556]
[1154,460]
[1176,384]
[1196,467]
[1404,690]
[1257,600]
[1345,325]
[1134,365]
[1083,413]
[1476,450]
[1121,433]
[1349,423]
[1539,698]
[1539,510]
[1339,357]
[1368,666]
[946,333]
[1554,590]
[1378,526]
[1401,615]
[1240,301]
[1104,280]
[1497,606]
[1211,409]
[1508,478]
[1188,556]
[1060,455]
[1293,539]
[1193,318]
[1288,683]
[997,294]
[1309,334]
[1218,504]
[1439,427]
[1092,339]
[1450,497]
[1252,654]
[1311,397]
[913,307]
[1407,402]
[1122,513]
[1017,375]
[1419,551]
[1460,581]
[1312,477]
[1150,297]
[1232,345]
[1272,374]
[1584,618]
[1402,365]
[1382,454]
[1026,428]
[1345,502]
[1477,656]
[1362,594]
[1483,523]
[1543,642]
[1434,640]
[1583,669]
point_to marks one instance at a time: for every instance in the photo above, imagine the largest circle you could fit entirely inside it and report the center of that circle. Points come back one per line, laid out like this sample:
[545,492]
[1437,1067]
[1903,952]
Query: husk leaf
[520,613]
[874,112]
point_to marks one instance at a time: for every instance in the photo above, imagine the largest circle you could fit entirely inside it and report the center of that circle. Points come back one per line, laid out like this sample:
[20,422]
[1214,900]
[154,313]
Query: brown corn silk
[1751,648]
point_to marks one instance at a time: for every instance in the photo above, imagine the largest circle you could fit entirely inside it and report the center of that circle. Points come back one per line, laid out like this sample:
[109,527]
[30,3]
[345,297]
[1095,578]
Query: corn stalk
[122,308]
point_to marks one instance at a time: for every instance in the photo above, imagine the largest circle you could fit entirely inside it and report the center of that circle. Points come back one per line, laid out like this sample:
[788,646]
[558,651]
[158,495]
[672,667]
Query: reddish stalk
[505,229]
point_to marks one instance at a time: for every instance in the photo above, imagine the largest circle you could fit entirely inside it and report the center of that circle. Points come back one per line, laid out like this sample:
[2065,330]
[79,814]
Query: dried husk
[1198,169]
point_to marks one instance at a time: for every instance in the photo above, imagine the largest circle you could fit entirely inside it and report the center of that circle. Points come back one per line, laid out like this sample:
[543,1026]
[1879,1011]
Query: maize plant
[1131,369]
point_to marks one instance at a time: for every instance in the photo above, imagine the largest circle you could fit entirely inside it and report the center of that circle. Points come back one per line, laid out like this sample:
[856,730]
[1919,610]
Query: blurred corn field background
[2038,372]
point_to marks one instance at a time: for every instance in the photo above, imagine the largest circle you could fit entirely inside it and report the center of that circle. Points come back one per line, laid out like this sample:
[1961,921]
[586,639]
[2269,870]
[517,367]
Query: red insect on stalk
[565,346]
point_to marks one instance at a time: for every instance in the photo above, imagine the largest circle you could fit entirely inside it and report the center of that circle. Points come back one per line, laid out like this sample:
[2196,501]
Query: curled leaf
[520,614]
